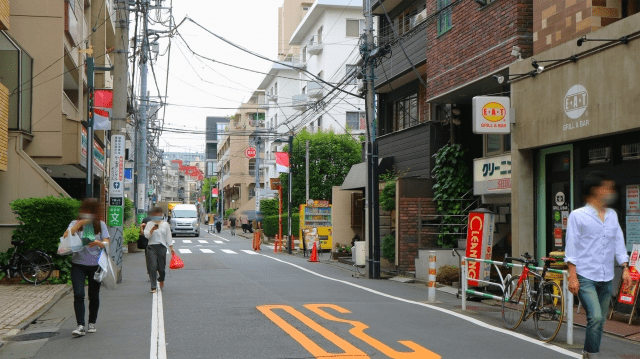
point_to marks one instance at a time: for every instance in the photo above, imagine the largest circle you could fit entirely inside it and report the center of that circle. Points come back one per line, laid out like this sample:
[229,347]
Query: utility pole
[290,178]
[143,112]
[118,127]
[372,157]
[257,169]
[90,86]
[307,170]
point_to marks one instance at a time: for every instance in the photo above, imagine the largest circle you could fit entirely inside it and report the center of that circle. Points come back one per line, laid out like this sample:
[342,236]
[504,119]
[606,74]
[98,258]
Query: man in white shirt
[594,240]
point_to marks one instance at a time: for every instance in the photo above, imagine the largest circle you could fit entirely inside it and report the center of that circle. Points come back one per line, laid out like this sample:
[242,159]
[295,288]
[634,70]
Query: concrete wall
[23,179]
[443,257]
[341,216]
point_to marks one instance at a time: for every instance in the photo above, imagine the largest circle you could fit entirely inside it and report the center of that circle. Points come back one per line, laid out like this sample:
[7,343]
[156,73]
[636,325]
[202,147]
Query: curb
[44,309]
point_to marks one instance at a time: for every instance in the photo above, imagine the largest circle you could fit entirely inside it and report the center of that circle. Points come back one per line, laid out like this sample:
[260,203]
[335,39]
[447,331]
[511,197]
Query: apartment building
[216,127]
[289,16]
[576,112]
[46,141]
[237,165]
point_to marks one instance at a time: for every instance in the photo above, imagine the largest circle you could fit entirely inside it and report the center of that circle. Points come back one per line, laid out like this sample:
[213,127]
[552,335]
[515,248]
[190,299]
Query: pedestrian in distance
[145,220]
[232,225]
[594,241]
[84,263]
[244,221]
[158,232]
[219,224]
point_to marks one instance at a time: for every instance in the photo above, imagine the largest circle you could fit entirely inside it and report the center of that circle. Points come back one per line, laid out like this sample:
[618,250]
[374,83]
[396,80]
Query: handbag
[71,243]
[143,242]
[106,273]
[176,262]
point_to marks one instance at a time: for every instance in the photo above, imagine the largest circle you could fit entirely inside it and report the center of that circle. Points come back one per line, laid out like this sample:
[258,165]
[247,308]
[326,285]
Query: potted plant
[130,238]
[341,250]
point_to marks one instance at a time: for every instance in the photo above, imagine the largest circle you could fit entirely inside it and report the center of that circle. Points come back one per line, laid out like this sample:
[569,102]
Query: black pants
[79,273]
[156,263]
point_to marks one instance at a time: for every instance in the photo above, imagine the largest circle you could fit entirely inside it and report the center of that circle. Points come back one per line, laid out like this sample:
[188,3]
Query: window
[320,123]
[275,89]
[15,75]
[405,112]
[354,27]
[497,144]
[444,16]
[350,71]
[252,167]
[355,120]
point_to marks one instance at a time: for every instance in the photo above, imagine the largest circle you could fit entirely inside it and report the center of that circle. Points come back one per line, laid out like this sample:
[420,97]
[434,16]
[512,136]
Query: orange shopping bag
[176,262]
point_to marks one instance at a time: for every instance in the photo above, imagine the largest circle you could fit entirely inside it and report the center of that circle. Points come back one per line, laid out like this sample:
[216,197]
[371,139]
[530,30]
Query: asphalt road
[229,302]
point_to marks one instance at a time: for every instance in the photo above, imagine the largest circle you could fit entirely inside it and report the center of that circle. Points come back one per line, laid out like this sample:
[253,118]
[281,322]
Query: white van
[185,220]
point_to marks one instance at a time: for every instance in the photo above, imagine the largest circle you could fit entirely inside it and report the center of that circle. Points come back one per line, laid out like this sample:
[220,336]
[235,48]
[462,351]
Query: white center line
[204,250]
[202,241]
[228,251]
[186,241]
[184,250]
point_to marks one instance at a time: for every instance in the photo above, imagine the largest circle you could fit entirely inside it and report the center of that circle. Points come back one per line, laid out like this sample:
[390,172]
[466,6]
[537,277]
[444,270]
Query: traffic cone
[314,253]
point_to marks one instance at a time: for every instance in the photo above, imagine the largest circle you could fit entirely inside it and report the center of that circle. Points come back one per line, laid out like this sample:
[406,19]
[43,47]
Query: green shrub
[63,264]
[128,209]
[448,274]
[228,212]
[388,196]
[270,225]
[131,234]
[389,248]
[43,221]
[269,207]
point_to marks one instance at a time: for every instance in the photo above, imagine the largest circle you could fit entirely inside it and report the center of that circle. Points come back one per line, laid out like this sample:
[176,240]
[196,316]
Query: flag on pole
[282,161]
[102,106]
[214,192]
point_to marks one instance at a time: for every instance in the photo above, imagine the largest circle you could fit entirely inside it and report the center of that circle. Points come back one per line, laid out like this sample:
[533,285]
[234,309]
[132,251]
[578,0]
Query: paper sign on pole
[633,200]
[479,245]
[117,166]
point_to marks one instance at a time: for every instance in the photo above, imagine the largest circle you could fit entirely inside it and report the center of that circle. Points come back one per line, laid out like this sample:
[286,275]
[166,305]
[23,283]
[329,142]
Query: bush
[63,264]
[448,274]
[131,234]
[269,207]
[388,196]
[128,209]
[228,212]
[389,248]
[270,225]
[43,221]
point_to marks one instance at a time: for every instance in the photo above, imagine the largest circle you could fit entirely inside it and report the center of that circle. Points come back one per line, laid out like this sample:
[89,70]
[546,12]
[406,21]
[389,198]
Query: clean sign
[491,115]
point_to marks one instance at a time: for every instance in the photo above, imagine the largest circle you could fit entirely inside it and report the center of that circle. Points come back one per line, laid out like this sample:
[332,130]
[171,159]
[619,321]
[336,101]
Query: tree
[207,184]
[331,156]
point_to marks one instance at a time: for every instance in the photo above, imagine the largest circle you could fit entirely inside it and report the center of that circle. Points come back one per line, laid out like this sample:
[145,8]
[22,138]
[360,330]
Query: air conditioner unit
[600,155]
[420,17]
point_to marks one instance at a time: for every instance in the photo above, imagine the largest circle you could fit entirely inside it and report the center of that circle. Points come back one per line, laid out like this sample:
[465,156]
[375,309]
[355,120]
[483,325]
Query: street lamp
[290,184]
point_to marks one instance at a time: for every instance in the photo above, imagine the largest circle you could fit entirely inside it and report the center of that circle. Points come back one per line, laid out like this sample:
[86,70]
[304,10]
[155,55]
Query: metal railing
[465,287]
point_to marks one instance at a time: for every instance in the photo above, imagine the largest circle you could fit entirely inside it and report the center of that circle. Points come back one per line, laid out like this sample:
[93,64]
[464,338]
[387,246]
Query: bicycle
[521,300]
[34,266]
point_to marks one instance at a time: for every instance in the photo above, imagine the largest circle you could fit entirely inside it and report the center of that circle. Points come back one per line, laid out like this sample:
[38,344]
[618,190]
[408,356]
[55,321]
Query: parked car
[185,220]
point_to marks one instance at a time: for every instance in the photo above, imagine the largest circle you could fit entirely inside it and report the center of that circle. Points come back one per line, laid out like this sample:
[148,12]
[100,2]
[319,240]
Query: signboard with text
[479,245]
[116,176]
[491,115]
[492,175]
[633,200]
[114,217]
[250,152]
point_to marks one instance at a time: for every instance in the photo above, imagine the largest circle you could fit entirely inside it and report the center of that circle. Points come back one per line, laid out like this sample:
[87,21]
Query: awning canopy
[357,176]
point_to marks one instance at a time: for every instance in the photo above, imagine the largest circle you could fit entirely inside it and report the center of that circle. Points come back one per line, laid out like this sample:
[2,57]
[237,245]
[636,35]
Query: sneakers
[91,328]
[80,331]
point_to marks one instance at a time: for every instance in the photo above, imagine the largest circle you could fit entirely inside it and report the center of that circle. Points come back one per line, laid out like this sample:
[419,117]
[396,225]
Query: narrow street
[229,302]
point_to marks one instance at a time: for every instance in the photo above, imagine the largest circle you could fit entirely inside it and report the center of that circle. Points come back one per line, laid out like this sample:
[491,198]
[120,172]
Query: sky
[196,82]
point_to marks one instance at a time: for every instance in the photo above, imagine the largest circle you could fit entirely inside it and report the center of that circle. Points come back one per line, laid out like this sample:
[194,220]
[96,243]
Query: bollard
[275,247]
[464,284]
[432,276]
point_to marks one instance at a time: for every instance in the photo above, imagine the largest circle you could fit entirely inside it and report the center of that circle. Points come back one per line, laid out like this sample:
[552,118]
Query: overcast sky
[250,23]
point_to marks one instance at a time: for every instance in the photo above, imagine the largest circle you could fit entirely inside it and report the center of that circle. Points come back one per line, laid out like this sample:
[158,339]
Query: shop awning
[357,176]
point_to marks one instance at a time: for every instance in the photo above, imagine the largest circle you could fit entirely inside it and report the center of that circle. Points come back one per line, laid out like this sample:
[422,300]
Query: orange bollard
[314,254]
[275,247]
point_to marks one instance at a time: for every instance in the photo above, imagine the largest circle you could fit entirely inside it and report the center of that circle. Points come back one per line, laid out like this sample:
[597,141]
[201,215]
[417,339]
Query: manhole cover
[481,309]
[31,336]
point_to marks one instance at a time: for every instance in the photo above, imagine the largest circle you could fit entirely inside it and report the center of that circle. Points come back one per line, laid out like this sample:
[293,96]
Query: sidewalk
[23,303]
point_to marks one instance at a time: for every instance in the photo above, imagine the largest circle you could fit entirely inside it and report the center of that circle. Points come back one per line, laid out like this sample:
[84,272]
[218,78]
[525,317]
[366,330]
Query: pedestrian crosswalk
[206,250]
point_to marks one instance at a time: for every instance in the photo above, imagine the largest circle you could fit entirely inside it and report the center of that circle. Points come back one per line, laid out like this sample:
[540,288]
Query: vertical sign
[633,232]
[117,166]
[115,215]
[633,200]
[479,245]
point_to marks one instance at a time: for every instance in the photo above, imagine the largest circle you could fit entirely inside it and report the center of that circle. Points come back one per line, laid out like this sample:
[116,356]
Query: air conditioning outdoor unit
[600,155]
[420,17]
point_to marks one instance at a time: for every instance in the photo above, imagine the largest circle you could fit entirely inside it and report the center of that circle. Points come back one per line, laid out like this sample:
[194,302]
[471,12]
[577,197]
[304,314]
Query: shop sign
[575,105]
[117,166]
[633,231]
[491,115]
[492,175]
[317,203]
[98,155]
[479,245]
[250,152]
[633,200]
[628,294]
[84,141]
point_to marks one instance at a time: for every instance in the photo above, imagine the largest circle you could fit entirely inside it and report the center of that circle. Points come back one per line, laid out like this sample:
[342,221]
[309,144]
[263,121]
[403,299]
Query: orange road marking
[350,352]
[358,332]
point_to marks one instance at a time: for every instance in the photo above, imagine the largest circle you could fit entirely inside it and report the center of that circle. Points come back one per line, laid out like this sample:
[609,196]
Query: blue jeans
[595,298]
[79,273]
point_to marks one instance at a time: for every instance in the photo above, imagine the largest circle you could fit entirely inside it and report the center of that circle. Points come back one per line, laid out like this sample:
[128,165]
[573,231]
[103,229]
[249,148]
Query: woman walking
[95,237]
[159,233]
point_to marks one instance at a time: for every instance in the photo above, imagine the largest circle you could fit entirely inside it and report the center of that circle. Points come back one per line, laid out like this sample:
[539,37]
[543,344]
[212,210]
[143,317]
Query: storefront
[574,117]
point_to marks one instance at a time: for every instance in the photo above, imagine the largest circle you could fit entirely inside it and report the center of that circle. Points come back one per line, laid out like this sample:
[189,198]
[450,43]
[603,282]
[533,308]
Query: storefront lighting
[583,39]
[536,66]
[501,78]
[539,68]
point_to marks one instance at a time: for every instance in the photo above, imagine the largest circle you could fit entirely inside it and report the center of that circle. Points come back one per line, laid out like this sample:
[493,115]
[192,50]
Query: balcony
[69,109]
[262,103]
[315,89]
[299,61]
[300,102]
[314,46]
[272,98]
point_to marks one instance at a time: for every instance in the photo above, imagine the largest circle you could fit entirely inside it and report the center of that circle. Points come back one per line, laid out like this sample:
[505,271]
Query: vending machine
[315,224]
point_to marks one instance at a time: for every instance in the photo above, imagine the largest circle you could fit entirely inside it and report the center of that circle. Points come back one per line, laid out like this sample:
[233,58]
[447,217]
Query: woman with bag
[158,232]
[84,263]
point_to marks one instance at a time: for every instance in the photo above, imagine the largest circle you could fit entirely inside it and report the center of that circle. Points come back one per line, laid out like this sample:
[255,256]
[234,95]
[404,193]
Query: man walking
[594,239]
[232,225]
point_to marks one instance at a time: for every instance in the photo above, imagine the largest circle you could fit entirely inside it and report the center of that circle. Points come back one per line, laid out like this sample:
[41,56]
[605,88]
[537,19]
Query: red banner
[214,192]
[282,161]
[474,245]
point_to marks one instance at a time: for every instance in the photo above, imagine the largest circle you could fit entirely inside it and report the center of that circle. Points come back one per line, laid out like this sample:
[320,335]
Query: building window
[497,144]
[444,16]
[252,167]
[350,71]
[16,74]
[320,123]
[355,120]
[405,112]
[354,27]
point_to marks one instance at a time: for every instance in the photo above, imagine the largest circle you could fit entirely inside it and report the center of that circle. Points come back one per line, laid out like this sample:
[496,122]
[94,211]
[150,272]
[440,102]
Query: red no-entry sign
[250,152]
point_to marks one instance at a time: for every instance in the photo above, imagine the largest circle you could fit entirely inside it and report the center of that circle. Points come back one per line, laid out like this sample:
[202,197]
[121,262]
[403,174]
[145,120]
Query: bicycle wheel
[514,303]
[550,312]
[35,267]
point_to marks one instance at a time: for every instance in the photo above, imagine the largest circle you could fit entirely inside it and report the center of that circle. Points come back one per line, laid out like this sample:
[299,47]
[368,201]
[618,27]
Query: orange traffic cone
[314,253]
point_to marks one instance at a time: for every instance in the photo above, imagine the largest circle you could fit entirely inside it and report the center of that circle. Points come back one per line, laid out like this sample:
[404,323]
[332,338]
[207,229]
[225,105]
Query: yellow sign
[493,112]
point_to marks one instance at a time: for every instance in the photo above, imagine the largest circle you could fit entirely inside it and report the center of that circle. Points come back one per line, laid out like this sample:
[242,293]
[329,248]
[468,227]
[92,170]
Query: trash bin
[360,253]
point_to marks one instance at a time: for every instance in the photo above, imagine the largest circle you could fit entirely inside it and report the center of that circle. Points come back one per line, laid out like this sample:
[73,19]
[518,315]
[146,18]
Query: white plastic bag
[72,243]
[106,273]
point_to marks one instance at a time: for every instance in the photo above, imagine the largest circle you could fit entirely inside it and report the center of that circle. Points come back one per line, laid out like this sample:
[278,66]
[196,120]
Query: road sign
[250,152]
[115,216]
[115,201]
